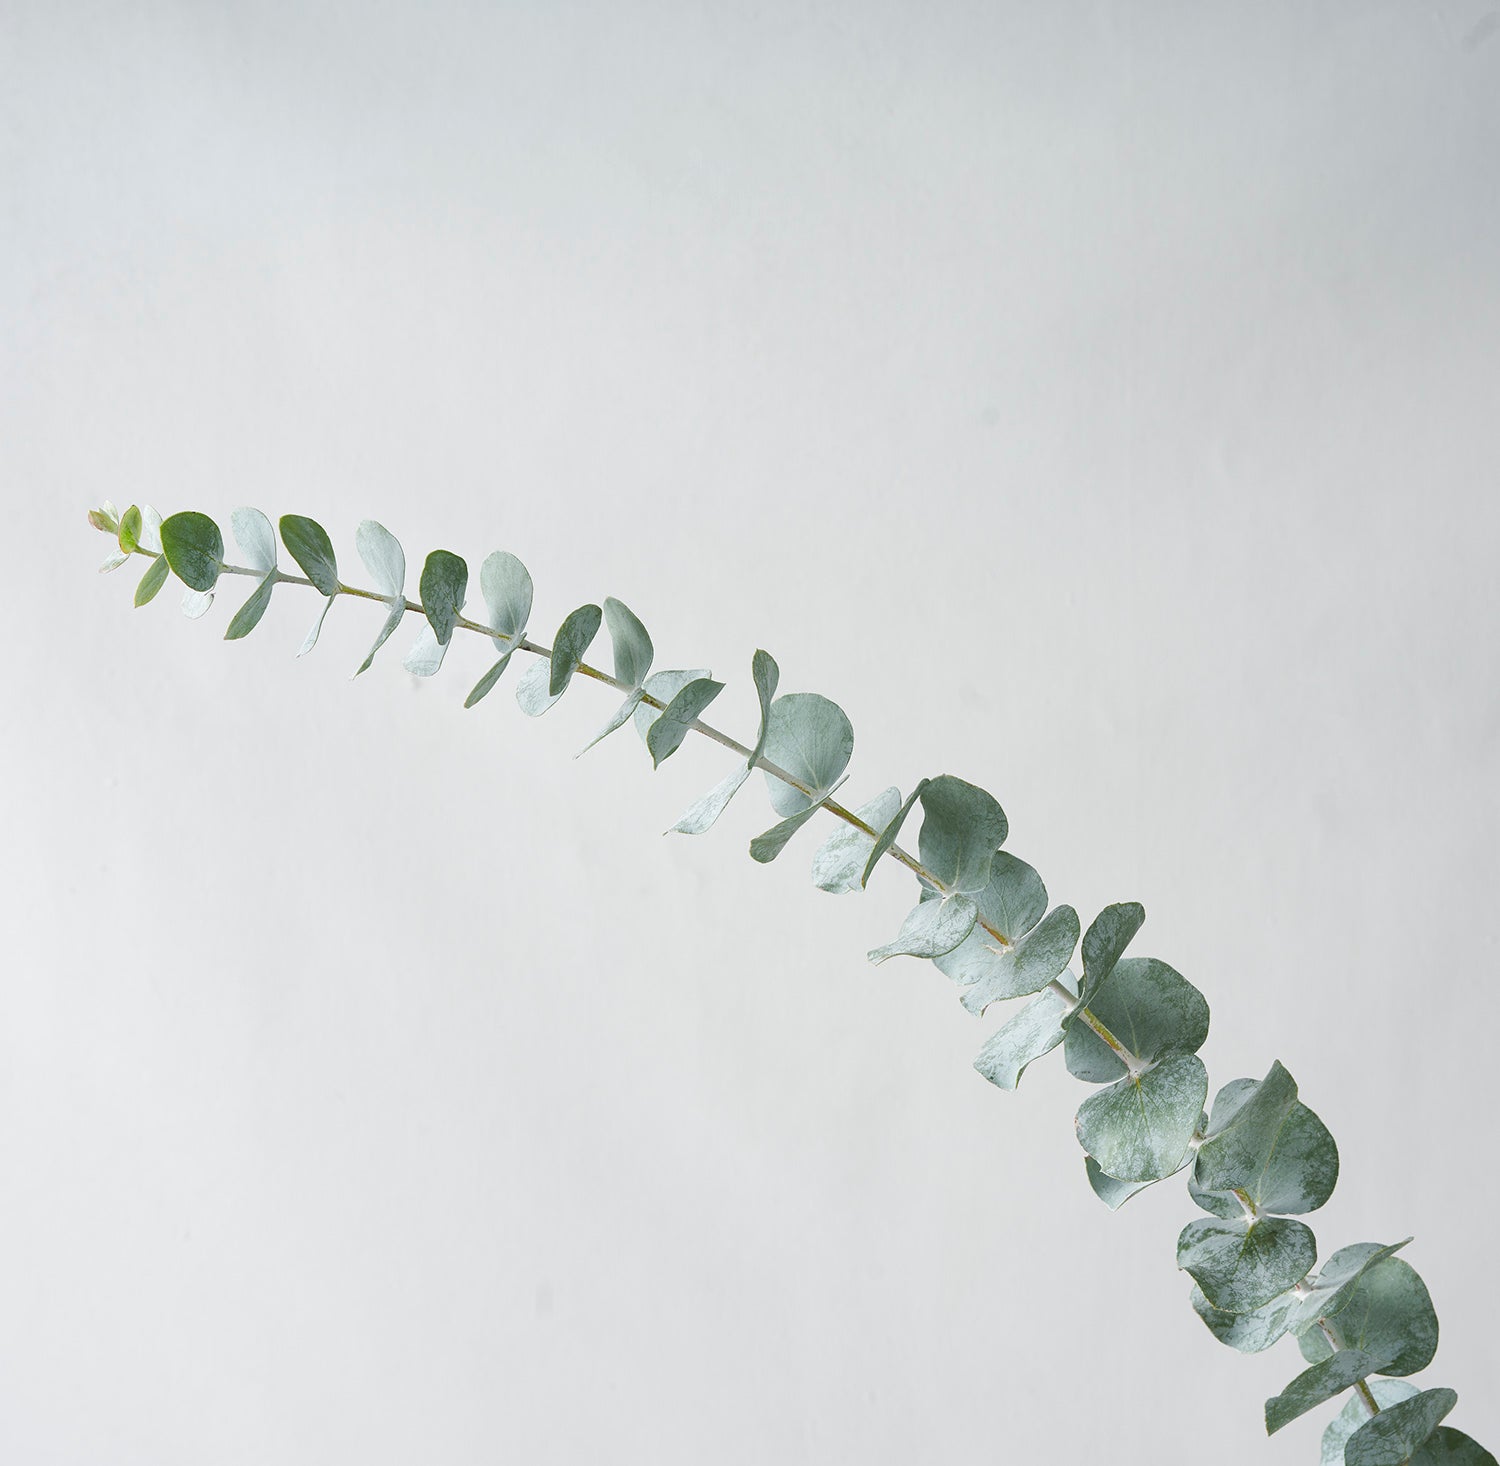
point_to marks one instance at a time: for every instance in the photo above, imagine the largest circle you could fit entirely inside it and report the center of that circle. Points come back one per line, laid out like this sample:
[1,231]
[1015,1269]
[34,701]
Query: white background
[1098,401]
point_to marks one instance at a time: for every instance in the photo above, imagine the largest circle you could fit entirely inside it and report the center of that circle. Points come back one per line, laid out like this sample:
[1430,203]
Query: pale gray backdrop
[1098,401]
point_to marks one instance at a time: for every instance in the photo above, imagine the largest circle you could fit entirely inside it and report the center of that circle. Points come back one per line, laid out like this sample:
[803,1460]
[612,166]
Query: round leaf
[962,827]
[1151,1008]
[1248,1332]
[841,858]
[573,639]
[1355,1413]
[1034,1031]
[1139,1129]
[1243,1264]
[809,737]
[444,587]
[194,549]
[255,537]
[1387,1312]
[631,643]
[505,584]
[1012,903]
[383,557]
[1393,1437]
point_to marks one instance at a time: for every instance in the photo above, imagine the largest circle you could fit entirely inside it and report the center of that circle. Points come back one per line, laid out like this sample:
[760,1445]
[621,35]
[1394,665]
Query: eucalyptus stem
[1257,1161]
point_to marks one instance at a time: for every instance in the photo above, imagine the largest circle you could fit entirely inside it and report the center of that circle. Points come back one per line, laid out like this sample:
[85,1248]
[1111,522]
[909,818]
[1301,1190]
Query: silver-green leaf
[843,856]
[1036,1030]
[1026,966]
[1388,1311]
[962,827]
[888,832]
[630,641]
[1319,1383]
[573,639]
[1150,1007]
[931,928]
[1139,1128]
[1248,1332]
[444,586]
[809,737]
[1394,1437]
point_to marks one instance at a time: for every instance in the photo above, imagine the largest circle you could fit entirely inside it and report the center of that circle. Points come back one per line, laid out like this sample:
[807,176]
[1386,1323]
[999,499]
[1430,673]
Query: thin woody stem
[902,857]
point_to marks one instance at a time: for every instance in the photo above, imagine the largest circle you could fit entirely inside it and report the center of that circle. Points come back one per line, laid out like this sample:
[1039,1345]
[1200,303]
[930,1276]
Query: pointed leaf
[630,641]
[573,639]
[1139,1128]
[152,581]
[666,734]
[1313,1386]
[701,815]
[1388,1312]
[106,517]
[194,549]
[1106,939]
[129,531]
[1242,1265]
[315,630]
[1034,1031]
[505,584]
[1393,1437]
[1114,1194]
[255,537]
[1270,1146]
[482,688]
[663,686]
[1449,1447]
[392,621]
[308,544]
[617,719]
[931,928]
[383,557]
[888,832]
[962,827]
[1354,1414]
[149,534]
[845,854]
[1027,967]
[247,618]
[1151,1008]
[810,738]
[532,696]
[1330,1290]
[1248,1332]
[766,847]
[196,602]
[444,588]
[113,561]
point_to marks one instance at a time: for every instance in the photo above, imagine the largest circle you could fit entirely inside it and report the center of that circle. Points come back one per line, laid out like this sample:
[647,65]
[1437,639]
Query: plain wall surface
[1098,401]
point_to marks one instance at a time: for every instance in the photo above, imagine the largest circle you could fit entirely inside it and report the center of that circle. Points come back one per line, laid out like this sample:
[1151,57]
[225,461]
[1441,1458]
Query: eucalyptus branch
[1130,1026]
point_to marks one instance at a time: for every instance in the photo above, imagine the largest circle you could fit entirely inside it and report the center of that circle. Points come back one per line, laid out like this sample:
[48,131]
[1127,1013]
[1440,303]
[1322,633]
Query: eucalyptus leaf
[247,618]
[1269,1145]
[617,719]
[1355,1413]
[631,643]
[701,815]
[1393,1437]
[1139,1128]
[485,685]
[196,602]
[444,588]
[931,928]
[256,538]
[666,734]
[149,534]
[1248,1332]
[383,557]
[194,549]
[765,847]
[962,827]
[1319,1383]
[1025,967]
[1241,1265]
[311,639]
[663,686]
[106,517]
[532,696]
[128,534]
[888,832]
[810,738]
[308,544]
[1034,1031]
[1387,1311]
[1449,1447]
[1114,1194]
[505,584]
[1106,939]
[844,855]
[573,639]
[152,581]
[113,561]
[1149,1007]
[426,654]
[1330,1290]
[393,619]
